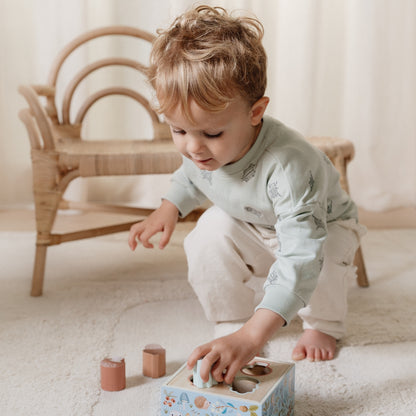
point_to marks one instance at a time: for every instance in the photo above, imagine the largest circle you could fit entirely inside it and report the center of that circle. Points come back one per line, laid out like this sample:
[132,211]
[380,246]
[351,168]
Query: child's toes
[298,353]
[322,354]
[313,354]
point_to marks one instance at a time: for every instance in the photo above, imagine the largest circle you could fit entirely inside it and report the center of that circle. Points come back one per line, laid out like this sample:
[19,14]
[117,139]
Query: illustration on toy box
[262,388]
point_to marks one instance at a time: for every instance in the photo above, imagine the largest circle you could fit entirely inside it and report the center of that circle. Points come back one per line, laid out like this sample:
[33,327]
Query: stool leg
[362,279]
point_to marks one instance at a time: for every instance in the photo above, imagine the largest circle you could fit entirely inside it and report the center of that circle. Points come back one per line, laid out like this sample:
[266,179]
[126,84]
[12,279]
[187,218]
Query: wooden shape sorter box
[262,388]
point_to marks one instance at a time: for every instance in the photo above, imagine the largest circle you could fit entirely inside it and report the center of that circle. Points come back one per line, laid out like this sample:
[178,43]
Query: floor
[374,373]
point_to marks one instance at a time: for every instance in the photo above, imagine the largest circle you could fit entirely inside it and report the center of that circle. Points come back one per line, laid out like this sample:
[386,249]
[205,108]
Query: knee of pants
[341,245]
[209,247]
[211,229]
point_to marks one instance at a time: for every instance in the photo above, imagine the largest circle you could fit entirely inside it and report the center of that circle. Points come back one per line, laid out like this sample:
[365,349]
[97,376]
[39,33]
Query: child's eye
[213,136]
[178,131]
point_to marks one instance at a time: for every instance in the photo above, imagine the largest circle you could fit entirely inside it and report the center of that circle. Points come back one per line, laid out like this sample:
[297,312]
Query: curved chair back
[53,125]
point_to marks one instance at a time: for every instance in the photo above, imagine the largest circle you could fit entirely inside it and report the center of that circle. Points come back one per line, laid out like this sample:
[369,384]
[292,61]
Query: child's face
[216,139]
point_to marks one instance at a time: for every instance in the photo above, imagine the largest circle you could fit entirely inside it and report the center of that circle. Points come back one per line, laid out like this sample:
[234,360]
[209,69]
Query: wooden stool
[341,152]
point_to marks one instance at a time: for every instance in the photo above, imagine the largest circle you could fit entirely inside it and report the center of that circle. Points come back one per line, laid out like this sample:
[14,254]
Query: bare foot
[315,346]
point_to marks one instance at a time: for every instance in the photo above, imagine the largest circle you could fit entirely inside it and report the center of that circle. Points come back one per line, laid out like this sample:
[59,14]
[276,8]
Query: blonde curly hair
[208,56]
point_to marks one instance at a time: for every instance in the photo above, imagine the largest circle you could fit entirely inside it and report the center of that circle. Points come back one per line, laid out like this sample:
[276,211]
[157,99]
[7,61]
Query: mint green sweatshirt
[283,183]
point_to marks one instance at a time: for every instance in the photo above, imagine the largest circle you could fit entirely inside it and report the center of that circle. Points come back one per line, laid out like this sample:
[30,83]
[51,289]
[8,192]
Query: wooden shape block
[197,380]
[113,374]
[261,388]
[154,361]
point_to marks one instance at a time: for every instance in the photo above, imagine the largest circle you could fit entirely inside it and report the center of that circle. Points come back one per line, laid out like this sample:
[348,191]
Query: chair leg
[46,207]
[362,279]
[38,270]
[47,196]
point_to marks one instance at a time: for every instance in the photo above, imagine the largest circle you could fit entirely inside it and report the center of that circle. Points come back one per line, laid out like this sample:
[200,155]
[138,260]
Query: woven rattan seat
[60,154]
[118,157]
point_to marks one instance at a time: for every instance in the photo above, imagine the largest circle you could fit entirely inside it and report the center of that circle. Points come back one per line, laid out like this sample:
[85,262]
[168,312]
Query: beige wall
[335,68]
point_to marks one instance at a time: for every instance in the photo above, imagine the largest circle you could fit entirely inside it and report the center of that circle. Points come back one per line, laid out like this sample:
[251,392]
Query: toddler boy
[278,208]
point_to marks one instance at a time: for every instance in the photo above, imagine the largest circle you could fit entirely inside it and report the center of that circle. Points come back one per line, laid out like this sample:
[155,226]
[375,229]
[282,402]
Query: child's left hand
[229,353]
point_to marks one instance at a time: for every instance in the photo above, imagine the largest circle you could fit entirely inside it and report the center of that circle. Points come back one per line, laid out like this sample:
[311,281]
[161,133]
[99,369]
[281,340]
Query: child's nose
[194,145]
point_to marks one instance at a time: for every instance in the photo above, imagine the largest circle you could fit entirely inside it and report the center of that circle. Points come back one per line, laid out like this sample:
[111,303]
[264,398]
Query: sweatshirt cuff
[281,300]
[181,200]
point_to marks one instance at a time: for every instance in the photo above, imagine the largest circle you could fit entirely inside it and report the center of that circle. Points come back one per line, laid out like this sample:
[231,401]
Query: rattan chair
[60,154]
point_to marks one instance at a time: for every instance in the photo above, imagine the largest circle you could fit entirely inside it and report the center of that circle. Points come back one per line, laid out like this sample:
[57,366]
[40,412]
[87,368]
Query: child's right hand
[162,220]
[224,356]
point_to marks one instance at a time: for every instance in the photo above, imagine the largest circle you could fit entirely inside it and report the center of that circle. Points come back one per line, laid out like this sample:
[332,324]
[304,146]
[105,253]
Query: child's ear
[258,109]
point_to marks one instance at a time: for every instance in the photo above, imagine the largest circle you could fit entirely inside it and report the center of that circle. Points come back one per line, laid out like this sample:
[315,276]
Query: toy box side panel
[281,401]
[181,402]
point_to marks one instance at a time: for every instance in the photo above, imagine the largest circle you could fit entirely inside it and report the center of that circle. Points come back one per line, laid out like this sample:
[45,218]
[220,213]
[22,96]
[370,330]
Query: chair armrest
[39,114]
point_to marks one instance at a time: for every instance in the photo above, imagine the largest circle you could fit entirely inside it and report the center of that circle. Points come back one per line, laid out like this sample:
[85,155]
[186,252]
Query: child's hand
[232,352]
[163,220]
[229,353]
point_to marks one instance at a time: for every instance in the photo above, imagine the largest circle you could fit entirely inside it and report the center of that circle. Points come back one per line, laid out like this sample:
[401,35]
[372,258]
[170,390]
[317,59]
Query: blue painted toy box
[262,388]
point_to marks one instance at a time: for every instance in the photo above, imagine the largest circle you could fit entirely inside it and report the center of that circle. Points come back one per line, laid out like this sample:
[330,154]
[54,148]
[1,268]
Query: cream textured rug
[101,299]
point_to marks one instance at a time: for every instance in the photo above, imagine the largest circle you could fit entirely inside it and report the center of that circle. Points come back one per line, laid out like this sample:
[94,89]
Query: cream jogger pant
[226,256]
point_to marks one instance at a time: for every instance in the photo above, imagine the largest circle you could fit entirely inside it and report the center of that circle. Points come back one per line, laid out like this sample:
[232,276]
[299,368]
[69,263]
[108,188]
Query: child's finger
[218,370]
[135,232]
[133,245]
[196,354]
[207,363]
[147,234]
[164,240]
[144,238]
[133,238]
[232,370]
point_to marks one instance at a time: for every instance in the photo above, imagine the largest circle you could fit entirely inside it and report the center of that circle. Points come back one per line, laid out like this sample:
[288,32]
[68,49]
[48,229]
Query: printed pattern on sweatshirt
[282,182]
